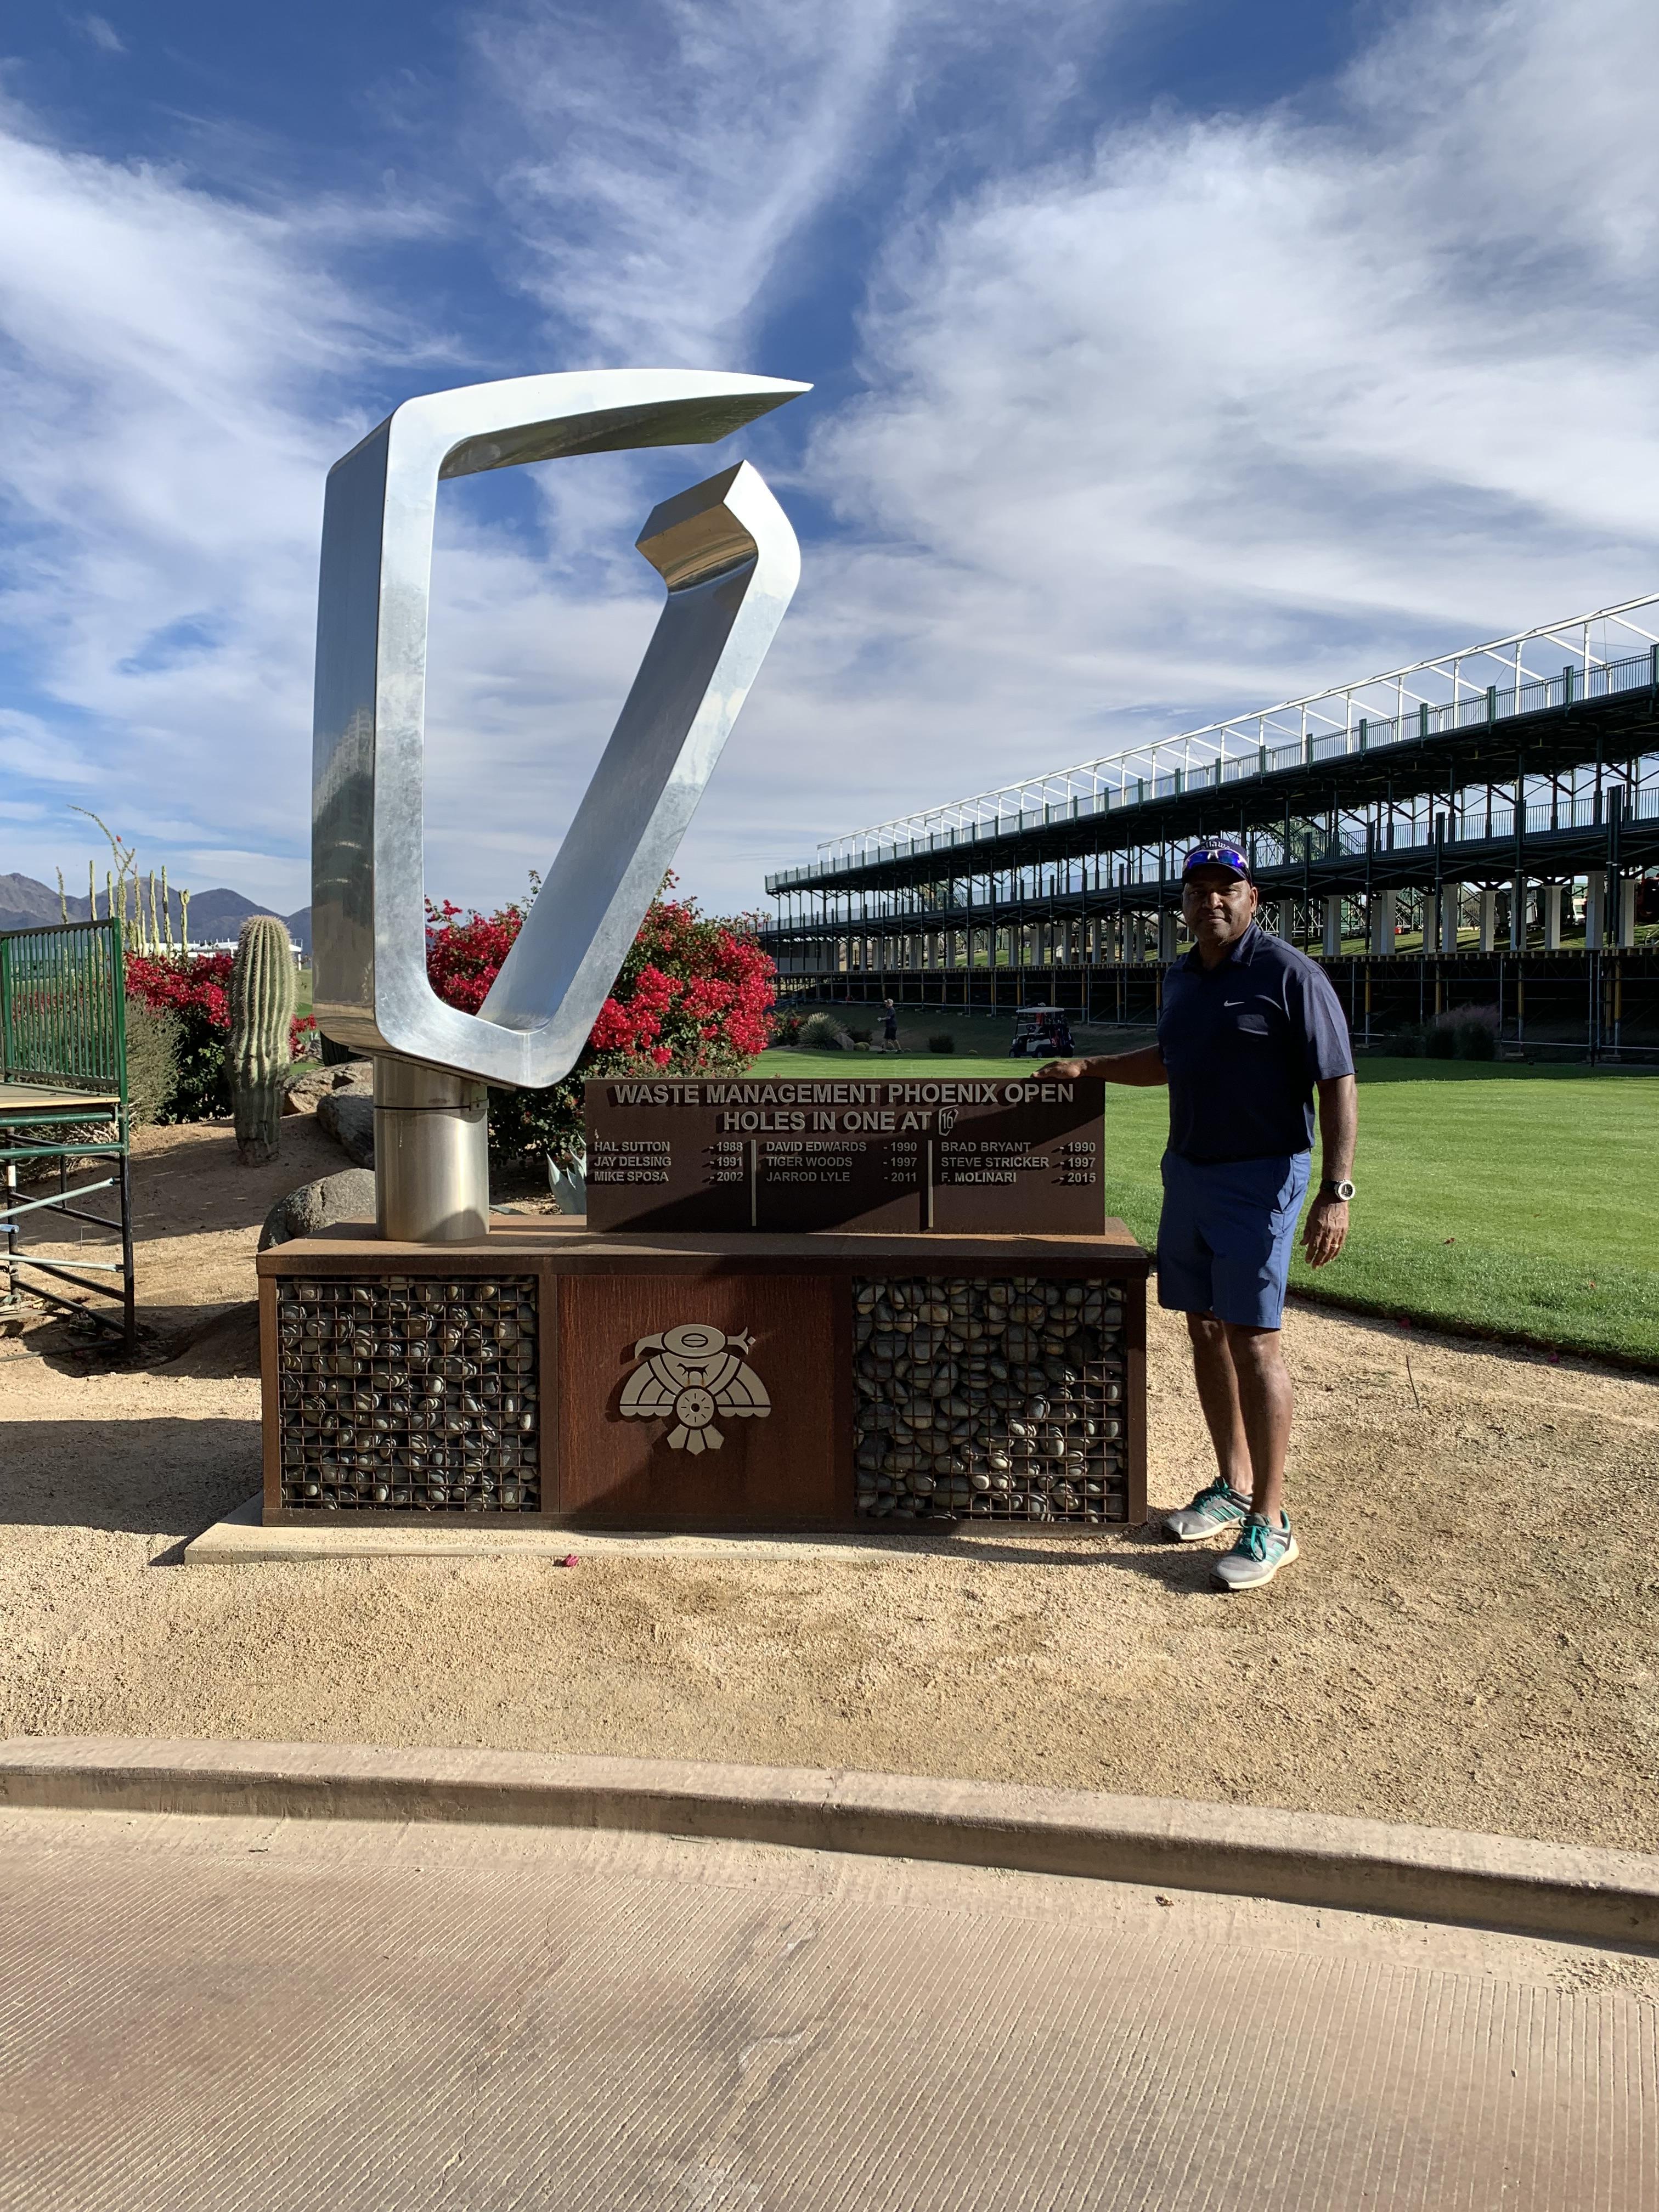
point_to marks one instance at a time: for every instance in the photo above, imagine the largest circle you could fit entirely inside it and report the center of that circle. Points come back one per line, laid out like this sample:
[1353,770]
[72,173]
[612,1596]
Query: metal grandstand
[1612,651]
[1480,828]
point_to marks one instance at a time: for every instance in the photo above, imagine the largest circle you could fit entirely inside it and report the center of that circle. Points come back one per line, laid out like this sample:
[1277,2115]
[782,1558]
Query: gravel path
[1466,1640]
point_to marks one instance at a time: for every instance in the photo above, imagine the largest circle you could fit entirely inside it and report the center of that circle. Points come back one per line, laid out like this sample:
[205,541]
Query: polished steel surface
[729,558]
[431,1154]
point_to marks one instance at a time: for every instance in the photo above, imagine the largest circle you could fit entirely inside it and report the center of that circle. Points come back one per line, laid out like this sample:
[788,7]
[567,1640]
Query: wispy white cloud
[102,33]
[1157,417]
[180,365]
[664,173]
[675,157]
[176,374]
[669,199]
[1229,408]
[32,751]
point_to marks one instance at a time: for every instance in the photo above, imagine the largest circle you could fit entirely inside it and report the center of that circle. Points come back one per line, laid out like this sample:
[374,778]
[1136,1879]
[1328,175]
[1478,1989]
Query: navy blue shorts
[1225,1234]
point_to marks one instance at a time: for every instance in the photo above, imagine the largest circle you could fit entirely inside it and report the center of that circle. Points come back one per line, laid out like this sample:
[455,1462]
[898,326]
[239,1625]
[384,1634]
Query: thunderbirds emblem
[693,1373]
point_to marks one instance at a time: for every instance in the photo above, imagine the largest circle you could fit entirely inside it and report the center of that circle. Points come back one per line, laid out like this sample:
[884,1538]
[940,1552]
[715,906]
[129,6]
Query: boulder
[348,1118]
[348,1196]
[307,1089]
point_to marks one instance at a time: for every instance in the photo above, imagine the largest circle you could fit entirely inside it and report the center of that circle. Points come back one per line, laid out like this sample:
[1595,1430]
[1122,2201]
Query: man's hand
[1325,1231]
[1143,1069]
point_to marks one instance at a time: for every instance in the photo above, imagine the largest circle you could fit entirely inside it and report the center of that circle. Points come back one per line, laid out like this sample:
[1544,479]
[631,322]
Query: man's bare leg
[1264,1398]
[1219,1395]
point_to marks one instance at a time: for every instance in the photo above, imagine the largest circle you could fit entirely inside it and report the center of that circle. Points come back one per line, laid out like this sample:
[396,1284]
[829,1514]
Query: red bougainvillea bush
[194,988]
[695,996]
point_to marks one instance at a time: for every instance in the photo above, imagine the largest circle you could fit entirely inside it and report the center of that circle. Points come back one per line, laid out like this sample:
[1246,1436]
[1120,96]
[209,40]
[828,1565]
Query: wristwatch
[1341,1192]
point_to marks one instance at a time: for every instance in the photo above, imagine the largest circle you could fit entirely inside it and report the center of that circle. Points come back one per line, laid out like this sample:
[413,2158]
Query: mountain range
[214,915]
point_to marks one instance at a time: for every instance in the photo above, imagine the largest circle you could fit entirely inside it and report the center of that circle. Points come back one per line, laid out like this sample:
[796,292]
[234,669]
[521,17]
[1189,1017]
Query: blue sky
[1167,359]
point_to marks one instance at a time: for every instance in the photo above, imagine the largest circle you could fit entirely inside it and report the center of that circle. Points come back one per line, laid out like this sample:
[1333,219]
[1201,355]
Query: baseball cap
[1217,856]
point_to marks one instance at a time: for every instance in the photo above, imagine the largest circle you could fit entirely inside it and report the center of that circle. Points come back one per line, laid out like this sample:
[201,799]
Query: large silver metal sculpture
[729,558]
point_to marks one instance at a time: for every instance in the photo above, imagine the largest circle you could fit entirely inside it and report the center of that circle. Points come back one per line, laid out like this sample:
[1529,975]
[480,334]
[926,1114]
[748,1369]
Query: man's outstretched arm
[1144,1069]
[1326,1229]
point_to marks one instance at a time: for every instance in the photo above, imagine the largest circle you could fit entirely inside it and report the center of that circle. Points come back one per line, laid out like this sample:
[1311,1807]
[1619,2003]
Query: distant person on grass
[1250,1030]
[889,1026]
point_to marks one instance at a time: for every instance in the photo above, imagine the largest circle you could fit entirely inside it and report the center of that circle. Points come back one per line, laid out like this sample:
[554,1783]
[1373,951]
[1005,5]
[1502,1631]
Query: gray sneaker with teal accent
[1216,1509]
[1256,1557]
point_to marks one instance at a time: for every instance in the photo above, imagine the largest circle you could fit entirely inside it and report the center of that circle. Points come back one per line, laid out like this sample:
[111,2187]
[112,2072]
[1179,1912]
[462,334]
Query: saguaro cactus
[261,1009]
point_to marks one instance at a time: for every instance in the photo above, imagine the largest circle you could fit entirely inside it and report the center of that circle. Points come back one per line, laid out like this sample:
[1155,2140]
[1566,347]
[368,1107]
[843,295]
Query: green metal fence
[63,1028]
[63,1007]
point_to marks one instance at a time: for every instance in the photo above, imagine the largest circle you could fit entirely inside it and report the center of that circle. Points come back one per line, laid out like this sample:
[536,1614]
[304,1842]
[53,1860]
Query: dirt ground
[1467,1640]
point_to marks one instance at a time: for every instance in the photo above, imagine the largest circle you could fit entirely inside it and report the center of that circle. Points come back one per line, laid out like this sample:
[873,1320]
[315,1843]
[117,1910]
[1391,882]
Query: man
[1250,1030]
[889,1025]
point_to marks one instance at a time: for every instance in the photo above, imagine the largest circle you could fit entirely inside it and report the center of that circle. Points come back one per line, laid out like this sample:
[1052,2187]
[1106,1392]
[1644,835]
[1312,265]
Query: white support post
[1627,911]
[1168,923]
[1381,919]
[1595,910]
[1285,919]
[1451,901]
[1550,899]
[1331,942]
[1488,919]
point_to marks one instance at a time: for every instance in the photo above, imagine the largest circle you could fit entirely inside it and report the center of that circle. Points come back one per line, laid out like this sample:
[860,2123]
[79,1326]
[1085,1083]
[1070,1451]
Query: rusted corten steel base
[552,1376]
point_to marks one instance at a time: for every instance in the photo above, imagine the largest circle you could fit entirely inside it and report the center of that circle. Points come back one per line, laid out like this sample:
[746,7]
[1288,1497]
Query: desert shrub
[822,1032]
[152,1076]
[1476,1041]
[154,1040]
[194,988]
[786,1028]
[694,997]
[1461,1033]
[1476,1030]
[941,1041]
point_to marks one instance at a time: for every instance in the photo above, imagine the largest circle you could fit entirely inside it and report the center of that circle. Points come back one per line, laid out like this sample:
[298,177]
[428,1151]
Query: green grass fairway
[1520,1200]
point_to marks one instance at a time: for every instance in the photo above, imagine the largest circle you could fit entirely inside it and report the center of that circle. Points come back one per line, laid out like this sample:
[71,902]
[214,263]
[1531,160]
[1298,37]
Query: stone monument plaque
[959,1154]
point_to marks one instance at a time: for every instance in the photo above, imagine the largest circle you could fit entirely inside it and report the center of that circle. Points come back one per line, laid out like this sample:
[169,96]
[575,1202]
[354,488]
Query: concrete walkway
[250,2009]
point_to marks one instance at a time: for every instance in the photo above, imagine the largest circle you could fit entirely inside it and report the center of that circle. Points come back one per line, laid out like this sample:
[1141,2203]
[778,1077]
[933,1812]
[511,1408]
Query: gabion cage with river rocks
[409,1396]
[990,1400]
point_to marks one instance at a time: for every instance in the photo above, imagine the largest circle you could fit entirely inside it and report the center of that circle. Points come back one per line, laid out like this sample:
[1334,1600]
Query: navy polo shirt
[1245,1042]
